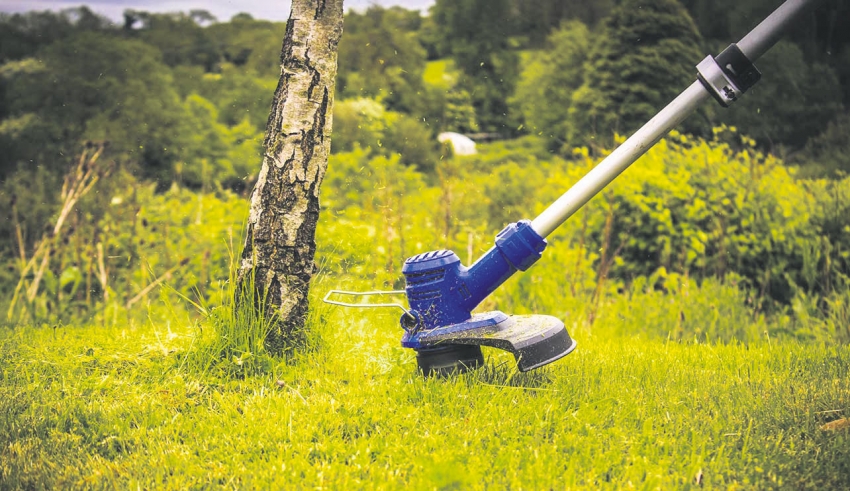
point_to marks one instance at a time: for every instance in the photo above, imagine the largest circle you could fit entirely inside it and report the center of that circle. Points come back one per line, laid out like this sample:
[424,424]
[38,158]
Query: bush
[122,242]
[691,242]
[698,207]
[365,123]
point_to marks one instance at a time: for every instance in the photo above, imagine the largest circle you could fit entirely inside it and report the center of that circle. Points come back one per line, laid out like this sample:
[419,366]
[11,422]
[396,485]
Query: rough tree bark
[277,260]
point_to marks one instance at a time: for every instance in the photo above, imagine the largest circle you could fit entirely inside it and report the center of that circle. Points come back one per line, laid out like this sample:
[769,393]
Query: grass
[94,407]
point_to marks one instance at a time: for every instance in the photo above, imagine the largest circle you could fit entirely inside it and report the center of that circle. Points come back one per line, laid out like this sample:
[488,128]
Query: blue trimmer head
[442,293]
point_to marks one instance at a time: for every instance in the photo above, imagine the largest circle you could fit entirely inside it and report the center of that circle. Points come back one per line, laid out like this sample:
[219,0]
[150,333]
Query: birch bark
[278,257]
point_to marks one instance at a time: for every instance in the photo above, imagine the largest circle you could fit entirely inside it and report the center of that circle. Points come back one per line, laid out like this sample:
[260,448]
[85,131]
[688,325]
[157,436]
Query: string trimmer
[441,292]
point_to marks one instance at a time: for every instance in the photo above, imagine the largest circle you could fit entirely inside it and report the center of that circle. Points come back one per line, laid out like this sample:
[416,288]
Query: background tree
[537,18]
[250,44]
[829,153]
[808,71]
[380,57]
[795,101]
[478,34]
[365,123]
[545,90]
[99,87]
[179,37]
[641,60]
[278,257]
[21,35]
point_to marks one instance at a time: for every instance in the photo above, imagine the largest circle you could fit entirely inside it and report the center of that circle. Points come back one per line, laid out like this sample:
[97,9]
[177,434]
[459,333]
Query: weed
[229,338]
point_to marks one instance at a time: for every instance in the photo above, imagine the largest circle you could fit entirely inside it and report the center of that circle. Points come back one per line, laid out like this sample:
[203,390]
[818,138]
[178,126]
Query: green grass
[97,407]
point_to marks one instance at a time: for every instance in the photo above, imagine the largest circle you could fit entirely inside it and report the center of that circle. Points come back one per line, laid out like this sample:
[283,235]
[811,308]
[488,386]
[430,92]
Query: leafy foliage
[214,153]
[722,212]
[249,43]
[380,57]
[539,18]
[641,60]
[111,89]
[798,103]
[478,31]
[545,90]
[122,243]
[365,123]
[178,36]
[21,35]
[829,153]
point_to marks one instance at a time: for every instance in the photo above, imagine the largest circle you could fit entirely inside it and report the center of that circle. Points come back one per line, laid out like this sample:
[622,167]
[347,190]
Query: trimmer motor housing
[442,293]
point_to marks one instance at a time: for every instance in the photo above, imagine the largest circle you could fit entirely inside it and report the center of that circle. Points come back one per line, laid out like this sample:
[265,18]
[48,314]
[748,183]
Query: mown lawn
[97,407]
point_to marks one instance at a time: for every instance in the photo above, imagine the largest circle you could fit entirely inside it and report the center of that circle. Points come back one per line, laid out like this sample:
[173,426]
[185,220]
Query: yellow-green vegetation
[707,287]
[115,407]
[684,377]
[691,216]
[440,73]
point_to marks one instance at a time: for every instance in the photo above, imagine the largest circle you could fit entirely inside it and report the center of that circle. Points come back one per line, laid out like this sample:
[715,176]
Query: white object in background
[462,145]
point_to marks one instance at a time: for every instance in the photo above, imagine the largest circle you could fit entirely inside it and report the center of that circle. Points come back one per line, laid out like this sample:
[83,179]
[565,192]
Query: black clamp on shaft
[729,75]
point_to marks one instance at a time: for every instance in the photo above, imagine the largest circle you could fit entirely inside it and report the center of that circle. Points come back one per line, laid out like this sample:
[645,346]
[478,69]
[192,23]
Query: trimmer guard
[534,340]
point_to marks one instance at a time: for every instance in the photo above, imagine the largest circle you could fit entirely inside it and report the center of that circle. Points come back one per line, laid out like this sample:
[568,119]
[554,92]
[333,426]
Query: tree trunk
[277,260]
